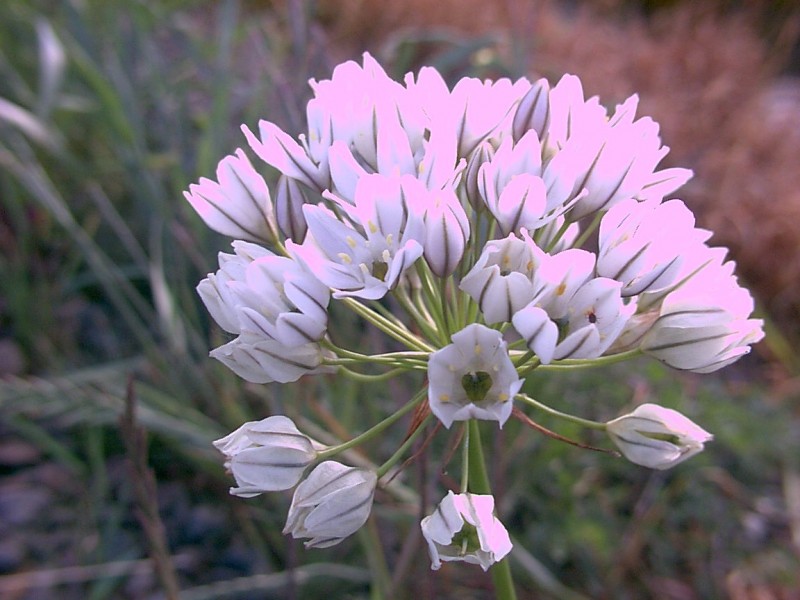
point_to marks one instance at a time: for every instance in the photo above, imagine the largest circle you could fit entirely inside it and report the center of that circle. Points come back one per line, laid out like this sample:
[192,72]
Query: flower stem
[384,468]
[557,413]
[374,430]
[479,483]
[584,363]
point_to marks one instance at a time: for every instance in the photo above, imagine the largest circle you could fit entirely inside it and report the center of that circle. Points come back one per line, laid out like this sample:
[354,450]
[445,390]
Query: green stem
[389,327]
[557,413]
[479,483]
[589,230]
[395,458]
[370,378]
[374,430]
[585,363]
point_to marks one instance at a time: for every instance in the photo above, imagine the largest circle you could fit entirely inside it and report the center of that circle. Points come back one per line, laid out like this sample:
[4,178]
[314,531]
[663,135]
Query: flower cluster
[517,225]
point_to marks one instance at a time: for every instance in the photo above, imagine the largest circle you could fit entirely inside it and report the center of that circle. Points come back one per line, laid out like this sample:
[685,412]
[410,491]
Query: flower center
[476,385]
[467,540]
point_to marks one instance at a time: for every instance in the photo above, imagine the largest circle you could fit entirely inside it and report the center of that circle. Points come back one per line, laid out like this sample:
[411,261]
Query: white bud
[332,503]
[239,205]
[267,455]
[657,437]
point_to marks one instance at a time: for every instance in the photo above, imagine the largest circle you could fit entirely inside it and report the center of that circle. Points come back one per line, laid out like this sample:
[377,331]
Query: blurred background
[109,109]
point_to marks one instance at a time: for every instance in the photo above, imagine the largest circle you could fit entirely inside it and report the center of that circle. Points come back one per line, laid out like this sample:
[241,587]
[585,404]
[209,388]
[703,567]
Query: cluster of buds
[518,227]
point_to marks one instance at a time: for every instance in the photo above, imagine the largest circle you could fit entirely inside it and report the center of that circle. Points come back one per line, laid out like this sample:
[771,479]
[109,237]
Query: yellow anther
[345,258]
[444,397]
[372,227]
[562,287]
[350,241]
[477,349]
[502,397]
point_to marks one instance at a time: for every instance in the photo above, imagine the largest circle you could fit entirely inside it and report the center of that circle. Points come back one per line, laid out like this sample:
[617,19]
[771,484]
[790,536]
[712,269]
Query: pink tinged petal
[346,172]
[522,203]
[640,436]
[533,112]
[446,232]
[394,155]
[482,155]
[289,201]
[239,205]
[662,183]
[279,150]
[451,516]
[539,332]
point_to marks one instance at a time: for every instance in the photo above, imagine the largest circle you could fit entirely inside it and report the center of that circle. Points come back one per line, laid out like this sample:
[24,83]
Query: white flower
[558,277]
[365,257]
[501,282]
[656,437]
[260,360]
[519,191]
[703,325]
[463,528]
[220,297]
[619,159]
[537,329]
[267,455]
[473,110]
[268,296]
[332,503]
[239,205]
[472,378]
[596,316]
[643,245]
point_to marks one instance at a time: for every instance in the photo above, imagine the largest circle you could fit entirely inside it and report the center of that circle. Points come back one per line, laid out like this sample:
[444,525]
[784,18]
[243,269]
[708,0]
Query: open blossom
[502,280]
[463,528]
[366,256]
[267,455]
[472,378]
[332,503]
[644,244]
[657,437]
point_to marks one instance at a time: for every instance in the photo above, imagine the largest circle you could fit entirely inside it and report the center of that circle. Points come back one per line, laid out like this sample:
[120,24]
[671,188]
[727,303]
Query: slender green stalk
[395,458]
[374,430]
[369,378]
[587,363]
[557,413]
[479,483]
[389,327]
[589,230]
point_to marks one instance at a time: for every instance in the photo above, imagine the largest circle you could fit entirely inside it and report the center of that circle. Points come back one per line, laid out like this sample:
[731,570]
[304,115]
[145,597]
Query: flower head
[472,378]
[463,528]
[332,503]
[657,437]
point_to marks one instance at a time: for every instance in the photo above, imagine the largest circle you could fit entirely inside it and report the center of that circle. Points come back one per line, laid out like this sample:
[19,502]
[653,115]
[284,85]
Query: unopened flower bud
[267,455]
[332,503]
[657,437]
[289,202]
